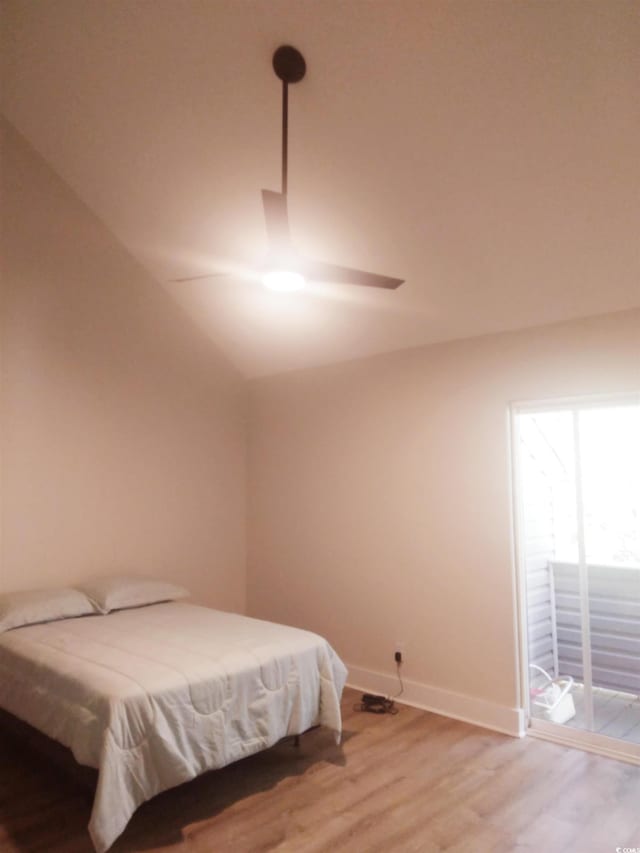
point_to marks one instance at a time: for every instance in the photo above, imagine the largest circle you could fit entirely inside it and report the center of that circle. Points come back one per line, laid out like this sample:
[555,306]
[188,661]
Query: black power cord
[398,659]
[375,703]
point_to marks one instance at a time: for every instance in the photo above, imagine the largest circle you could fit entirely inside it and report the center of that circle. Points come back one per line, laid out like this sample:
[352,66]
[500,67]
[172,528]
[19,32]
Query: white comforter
[157,695]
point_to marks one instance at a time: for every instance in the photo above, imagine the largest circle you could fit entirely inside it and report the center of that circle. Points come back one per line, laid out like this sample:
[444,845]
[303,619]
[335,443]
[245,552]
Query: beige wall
[380,502]
[379,489]
[123,433]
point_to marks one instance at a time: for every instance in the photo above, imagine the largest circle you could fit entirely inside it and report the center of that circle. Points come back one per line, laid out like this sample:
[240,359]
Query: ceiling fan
[285,268]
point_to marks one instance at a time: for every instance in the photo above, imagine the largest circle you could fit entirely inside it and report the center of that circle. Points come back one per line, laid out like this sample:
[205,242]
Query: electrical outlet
[398,656]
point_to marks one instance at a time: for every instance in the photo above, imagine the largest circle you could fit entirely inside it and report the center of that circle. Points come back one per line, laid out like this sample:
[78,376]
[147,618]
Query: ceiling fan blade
[277,219]
[198,277]
[320,271]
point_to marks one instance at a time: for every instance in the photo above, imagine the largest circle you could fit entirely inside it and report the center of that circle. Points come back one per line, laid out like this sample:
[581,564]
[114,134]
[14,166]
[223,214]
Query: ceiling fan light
[283,280]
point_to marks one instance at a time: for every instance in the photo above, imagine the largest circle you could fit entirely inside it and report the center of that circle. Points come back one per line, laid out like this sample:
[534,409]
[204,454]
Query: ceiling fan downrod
[290,67]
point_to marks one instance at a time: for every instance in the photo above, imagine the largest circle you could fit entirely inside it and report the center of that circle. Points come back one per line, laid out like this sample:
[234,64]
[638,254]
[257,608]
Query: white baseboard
[459,706]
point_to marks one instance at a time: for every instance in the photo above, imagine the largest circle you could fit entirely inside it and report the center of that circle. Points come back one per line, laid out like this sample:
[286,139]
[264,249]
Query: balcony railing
[614,608]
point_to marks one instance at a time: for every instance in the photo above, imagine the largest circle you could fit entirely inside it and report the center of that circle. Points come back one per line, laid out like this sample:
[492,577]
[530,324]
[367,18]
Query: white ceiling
[488,152]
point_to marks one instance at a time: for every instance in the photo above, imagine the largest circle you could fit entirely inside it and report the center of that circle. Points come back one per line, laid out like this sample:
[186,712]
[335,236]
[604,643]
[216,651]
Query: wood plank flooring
[411,782]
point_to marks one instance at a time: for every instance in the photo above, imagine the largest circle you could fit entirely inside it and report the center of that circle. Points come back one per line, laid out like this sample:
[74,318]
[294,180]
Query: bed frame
[50,750]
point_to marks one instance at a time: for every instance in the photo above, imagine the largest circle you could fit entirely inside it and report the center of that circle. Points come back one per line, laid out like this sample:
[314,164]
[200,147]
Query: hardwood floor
[410,782]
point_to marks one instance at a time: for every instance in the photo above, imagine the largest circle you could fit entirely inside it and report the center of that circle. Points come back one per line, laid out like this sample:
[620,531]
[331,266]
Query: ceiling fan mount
[285,268]
[289,64]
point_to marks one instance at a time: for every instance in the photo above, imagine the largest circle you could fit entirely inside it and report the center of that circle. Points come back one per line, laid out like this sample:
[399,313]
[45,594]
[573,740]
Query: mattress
[154,696]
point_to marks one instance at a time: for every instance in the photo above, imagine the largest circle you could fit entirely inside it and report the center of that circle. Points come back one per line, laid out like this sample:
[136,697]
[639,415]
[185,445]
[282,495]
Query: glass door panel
[550,545]
[610,463]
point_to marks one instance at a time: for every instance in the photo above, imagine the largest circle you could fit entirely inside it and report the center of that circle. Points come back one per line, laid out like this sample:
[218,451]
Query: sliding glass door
[578,502]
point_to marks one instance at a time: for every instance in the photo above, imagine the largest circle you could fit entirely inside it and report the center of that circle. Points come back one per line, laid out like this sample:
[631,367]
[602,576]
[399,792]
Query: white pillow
[117,592]
[41,605]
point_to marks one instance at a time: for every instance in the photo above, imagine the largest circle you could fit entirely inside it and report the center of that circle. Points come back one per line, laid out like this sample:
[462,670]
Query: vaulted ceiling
[487,152]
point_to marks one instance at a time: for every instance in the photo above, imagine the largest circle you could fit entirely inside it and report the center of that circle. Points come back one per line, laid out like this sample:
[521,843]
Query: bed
[153,696]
